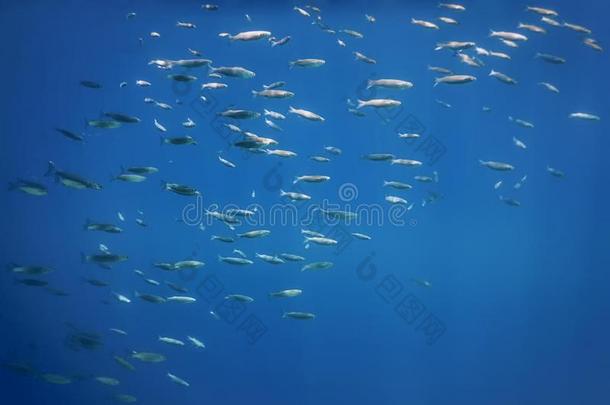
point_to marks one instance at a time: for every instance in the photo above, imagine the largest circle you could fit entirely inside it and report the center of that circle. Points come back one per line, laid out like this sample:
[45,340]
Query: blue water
[518,303]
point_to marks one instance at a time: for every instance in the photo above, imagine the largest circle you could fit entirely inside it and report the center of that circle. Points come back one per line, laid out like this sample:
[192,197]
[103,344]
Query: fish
[226,239]
[178,140]
[126,398]
[406,162]
[520,122]
[454,79]
[555,172]
[148,357]
[452,6]
[291,257]
[550,58]
[307,63]
[299,315]
[214,86]
[142,170]
[379,157]
[258,233]
[395,200]
[123,118]
[361,236]
[455,45]
[171,341]
[532,28]
[239,298]
[577,28]
[56,378]
[32,282]
[317,266]
[310,179]
[502,77]
[290,293]
[321,159]
[585,116]
[592,43]
[108,228]
[180,189]
[104,259]
[500,166]
[424,24]
[510,201]
[233,71]
[549,87]
[28,187]
[196,342]
[153,299]
[121,298]
[269,258]
[279,42]
[294,196]
[104,124]
[362,57]
[177,380]
[226,162]
[29,270]
[542,11]
[90,84]
[305,114]
[70,134]
[518,143]
[143,83]
[239,114]
[511,36]
[239,261]
[273,93]
[249,36]
[189,25]
[389,84]
[107,381]
[397,185]
[322,241]
[124,363]
[448,20]
[129,178]
[378,103]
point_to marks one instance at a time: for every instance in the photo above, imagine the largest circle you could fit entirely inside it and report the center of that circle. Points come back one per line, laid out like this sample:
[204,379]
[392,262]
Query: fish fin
[436,82]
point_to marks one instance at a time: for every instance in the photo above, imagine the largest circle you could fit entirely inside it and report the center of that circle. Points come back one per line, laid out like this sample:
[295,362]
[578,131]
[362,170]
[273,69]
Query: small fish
[299,315]
[584,116]
[28,187]
[70,134]
[177,380]
[226,162]
[291,293]
[500,166]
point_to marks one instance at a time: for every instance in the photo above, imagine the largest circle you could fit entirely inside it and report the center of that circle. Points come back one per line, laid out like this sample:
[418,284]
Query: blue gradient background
[523,292]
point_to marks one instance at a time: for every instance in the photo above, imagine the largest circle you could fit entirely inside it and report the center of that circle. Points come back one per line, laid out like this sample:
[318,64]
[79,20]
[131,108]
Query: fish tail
[162,140]
[50,169]
[482,162]
[282,193]
[360,103]
[436,82]
[369,84]
[291,65]
[254,93]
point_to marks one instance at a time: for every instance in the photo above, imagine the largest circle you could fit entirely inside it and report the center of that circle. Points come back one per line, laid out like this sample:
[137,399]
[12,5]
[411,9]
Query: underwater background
[515,302]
